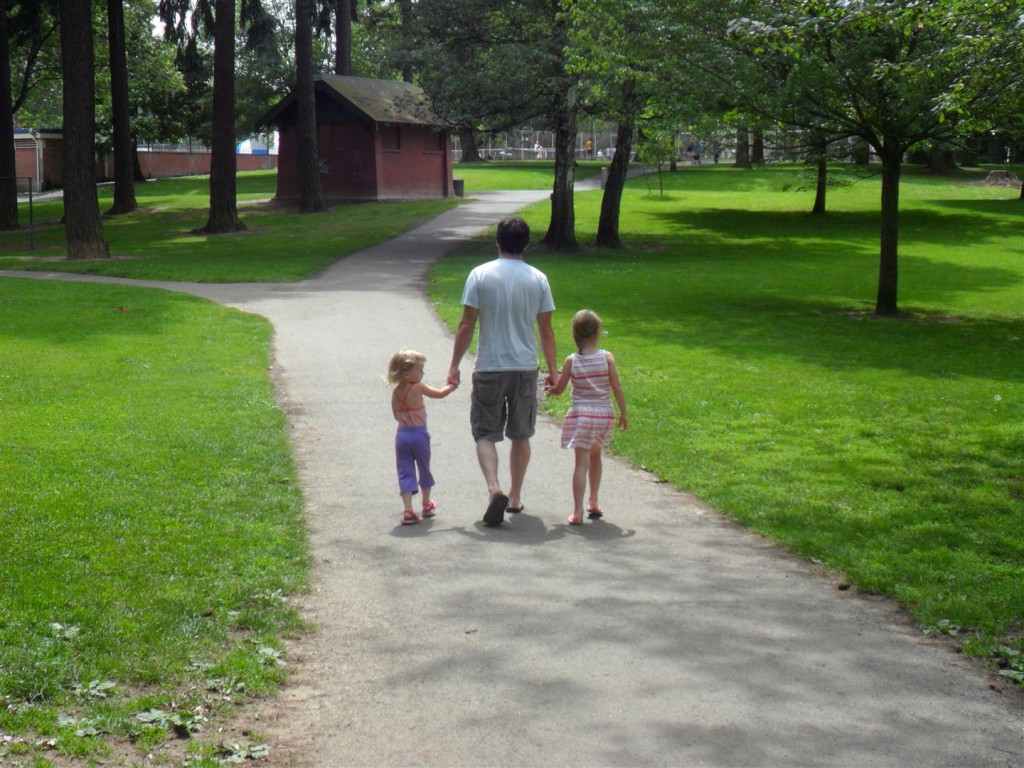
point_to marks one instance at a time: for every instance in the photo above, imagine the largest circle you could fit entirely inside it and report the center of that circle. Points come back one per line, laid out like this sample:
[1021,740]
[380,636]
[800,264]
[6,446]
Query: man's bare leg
[519,460]
[487,455]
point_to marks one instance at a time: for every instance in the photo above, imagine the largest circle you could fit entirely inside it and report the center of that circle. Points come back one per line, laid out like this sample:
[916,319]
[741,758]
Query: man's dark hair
[513,235]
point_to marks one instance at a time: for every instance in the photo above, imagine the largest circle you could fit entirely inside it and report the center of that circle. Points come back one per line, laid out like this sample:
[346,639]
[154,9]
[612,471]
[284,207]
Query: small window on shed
[390,138]
[433,141]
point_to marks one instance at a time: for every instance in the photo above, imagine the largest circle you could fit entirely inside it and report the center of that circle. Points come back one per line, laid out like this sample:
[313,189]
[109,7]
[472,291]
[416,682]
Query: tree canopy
[892,75]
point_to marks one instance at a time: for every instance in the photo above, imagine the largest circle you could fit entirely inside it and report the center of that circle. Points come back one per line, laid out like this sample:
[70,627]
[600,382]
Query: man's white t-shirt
[509,294]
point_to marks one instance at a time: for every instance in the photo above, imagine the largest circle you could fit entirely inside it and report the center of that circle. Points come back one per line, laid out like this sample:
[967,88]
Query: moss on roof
[384,101]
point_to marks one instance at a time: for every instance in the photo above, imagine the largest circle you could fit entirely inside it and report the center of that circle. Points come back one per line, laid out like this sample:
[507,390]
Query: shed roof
[379,101]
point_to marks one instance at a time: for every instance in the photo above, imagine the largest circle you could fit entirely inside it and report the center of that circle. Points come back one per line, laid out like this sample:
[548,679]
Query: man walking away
[509,299]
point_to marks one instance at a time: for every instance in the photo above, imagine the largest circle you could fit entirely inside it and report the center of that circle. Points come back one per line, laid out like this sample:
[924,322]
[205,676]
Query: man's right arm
[547,347]
[463,338]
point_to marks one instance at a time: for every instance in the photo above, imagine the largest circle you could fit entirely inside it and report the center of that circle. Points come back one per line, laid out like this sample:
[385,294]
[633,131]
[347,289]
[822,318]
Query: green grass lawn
[517,174]
[159,242]
[150,513]
[889,450]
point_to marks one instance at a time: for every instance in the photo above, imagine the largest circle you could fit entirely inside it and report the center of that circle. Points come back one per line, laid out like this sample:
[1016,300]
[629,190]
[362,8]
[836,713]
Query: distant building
[39,159]
[39,156]
[376,140]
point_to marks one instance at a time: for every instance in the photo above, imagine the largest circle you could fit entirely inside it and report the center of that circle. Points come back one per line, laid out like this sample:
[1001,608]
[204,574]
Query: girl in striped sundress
[590,422]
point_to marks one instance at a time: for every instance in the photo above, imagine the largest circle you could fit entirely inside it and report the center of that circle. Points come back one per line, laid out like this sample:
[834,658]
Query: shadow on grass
[917,225]
[87,311]
[1006,207]
[816,332]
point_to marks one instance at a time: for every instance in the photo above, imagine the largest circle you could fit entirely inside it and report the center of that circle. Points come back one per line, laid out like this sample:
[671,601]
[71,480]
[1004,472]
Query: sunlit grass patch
[890,450]
[150,512]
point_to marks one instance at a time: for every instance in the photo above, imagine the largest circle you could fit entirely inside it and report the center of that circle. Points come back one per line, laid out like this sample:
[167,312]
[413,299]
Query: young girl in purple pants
[412,442]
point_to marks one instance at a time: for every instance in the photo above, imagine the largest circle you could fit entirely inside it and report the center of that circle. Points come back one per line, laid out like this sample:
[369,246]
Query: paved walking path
[662,635]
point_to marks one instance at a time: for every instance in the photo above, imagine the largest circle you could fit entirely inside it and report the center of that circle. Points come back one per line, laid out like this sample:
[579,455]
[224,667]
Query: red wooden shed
[376,140]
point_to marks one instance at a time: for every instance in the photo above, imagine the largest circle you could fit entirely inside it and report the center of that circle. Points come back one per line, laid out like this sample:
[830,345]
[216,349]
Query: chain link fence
[527,144]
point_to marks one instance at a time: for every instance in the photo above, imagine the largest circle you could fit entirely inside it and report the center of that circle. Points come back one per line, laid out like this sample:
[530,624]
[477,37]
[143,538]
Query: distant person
[412,441]
[590,148]
[509,299]
[539,150]
[590,422]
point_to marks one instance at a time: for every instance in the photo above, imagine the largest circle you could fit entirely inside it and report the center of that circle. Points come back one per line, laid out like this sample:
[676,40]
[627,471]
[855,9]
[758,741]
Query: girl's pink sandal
[409,518]
[430,510]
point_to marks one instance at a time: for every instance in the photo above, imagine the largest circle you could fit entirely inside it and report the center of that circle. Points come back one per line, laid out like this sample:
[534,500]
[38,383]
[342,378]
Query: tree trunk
[742,148]
[940,160]
[8,163]
[820,187]
[611,200]
[972,150]
[343,38]
[311,199]
[83,228]
[140,177]
[223,163]
[561,234]
[861,153]
[888,266]
[408,42]
[467,141]
[124,176]
[757,152]
[819,152]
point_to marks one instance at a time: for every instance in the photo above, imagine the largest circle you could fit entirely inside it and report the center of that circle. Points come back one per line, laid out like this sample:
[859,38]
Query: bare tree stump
[1001,179]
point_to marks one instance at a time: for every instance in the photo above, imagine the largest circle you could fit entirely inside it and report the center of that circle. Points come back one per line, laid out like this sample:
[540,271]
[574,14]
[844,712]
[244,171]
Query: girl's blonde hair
[402,362]
[586,325]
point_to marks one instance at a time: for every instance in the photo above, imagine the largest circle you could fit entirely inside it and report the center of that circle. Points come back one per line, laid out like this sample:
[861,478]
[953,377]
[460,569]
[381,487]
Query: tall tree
[997,68]
[563,112]
[611,200]
[30,65]
[561,234]
[8,164]
[611,41]
[84,230]
[407,24]
[223,216]
[344,15]
[124,147]
[491,65]
[310,194]
[184,19]
[35,61]
[884,72]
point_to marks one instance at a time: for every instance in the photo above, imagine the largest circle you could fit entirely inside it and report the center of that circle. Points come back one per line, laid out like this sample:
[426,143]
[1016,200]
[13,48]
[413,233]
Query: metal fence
[527,144]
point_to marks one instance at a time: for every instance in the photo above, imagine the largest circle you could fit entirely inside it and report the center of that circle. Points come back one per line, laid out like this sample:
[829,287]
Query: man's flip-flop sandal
[594,512]
[515,510]
[495,514]
[573,520]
